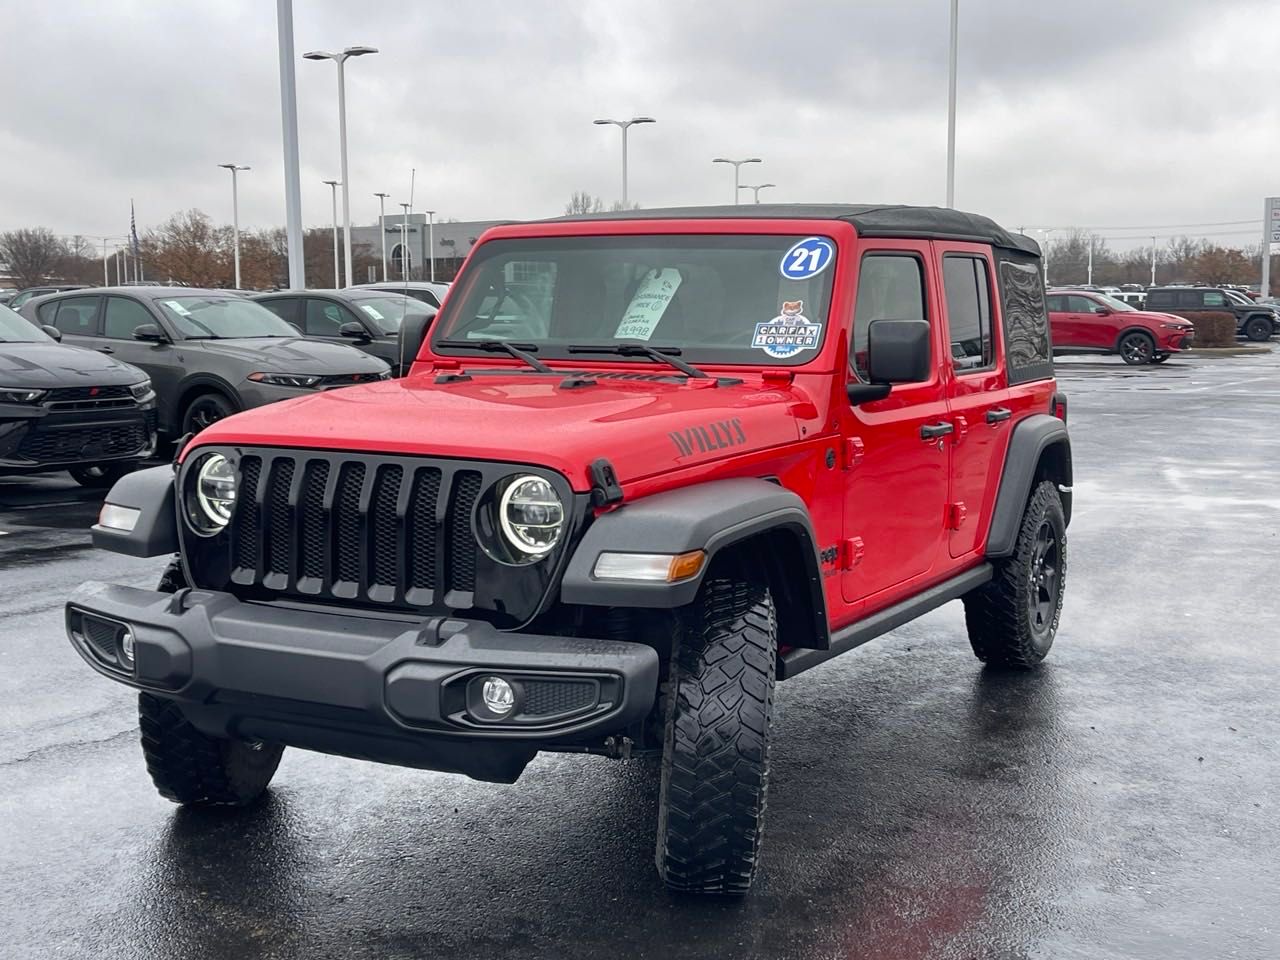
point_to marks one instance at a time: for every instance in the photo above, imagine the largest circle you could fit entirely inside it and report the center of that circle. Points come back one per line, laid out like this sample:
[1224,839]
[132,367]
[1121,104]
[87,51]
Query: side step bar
[797,661]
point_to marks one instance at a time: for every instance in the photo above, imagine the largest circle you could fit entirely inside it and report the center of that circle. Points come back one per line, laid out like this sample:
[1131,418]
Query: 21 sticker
[808,258]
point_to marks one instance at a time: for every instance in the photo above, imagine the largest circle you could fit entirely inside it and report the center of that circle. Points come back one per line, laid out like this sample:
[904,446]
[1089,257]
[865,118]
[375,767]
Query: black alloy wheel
[205,411]
[1043,581]
[1137,348]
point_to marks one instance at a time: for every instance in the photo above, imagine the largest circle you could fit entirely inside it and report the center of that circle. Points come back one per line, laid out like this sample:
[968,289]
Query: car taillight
[1058,406]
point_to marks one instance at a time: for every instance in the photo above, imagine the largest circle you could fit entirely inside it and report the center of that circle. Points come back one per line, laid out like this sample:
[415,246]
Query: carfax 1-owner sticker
[788,333]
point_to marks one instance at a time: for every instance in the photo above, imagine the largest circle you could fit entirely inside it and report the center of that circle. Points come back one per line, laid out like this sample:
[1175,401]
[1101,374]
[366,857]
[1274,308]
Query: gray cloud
[1084,113]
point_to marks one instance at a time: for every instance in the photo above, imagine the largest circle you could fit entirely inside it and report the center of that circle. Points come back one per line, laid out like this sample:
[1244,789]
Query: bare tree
[33,254]
[582,202]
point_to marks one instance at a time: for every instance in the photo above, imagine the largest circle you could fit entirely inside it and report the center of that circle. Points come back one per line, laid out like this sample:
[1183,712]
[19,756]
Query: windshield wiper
[521,351]
[669,355]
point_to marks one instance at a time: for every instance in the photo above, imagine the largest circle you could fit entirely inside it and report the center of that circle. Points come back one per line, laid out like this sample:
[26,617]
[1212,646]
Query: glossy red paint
[896,511]
[1087,323]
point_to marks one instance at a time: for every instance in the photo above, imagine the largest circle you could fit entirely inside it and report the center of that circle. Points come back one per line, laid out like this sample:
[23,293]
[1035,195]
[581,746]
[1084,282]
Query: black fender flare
[155,531]
[1031,438]
[711,516]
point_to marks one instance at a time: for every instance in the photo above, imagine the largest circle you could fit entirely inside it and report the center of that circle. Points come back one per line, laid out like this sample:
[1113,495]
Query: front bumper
[1178,341]
[379,689]
[36,439]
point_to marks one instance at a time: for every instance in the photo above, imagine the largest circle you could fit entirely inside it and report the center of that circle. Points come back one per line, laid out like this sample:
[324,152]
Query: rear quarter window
[1028,350]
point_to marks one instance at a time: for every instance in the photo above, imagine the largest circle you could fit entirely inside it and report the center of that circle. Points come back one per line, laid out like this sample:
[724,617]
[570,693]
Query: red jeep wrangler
[646,464]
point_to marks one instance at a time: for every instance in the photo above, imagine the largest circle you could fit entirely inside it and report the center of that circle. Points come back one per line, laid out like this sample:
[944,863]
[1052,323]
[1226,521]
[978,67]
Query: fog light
[498,695]
[126,647]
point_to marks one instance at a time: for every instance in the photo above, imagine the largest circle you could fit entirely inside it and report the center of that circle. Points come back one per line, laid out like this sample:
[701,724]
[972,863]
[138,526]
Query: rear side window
[1214,298]
[78,316]
[890,287]
[1160,298]
[967,286]
[1026,321]
[1190,298]
[123,317]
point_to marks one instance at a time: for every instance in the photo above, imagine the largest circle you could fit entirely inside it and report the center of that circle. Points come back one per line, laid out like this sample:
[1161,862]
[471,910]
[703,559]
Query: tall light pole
[737,164]
[340,59]
[382,229]
[289,123]
[756,188]
[1153,264]
[235,215]
[951,106]
[431,242]
[624,126]
[333,189]
[106,276]
[404,242]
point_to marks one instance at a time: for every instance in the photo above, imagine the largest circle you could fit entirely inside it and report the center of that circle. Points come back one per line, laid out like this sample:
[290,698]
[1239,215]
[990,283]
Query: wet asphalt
[1118,803]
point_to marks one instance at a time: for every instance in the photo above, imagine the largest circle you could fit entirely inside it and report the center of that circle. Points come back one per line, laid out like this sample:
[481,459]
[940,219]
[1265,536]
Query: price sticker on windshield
[808,258]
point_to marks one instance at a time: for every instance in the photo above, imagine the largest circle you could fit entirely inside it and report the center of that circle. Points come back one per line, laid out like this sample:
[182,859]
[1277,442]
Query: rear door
[897,488]
[977,391]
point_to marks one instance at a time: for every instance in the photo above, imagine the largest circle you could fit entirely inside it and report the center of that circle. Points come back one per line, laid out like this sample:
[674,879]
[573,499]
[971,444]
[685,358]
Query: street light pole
[736,165]
[382,229]
[333,189]
[106,276]
[431,242]
[951,105]
[289,123]
[235,215]
[340,59]
[624,125]
[756,189]
[404,242]
[1153,263]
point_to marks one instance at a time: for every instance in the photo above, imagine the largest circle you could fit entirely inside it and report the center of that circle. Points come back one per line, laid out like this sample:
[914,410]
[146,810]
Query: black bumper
[38,440]
[378,689]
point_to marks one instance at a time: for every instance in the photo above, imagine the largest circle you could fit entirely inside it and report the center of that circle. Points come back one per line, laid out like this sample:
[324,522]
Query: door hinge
[854,450]
[852,551]
[956,514]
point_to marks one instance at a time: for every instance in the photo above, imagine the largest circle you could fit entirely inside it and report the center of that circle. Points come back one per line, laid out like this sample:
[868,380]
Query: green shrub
[1213,329]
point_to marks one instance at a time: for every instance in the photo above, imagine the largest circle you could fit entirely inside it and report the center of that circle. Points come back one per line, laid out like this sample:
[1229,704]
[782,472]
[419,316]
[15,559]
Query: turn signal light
[650,567]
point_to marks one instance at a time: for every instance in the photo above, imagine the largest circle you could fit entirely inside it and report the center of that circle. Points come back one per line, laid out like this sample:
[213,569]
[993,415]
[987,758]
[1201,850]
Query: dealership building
[419,242]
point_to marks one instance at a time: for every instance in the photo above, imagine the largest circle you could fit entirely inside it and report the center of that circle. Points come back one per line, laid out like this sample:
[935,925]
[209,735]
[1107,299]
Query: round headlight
[531,515]
[214,493]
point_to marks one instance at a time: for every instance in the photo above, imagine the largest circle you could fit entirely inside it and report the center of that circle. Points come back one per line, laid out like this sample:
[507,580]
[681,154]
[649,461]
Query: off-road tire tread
[996,613]
[715,764]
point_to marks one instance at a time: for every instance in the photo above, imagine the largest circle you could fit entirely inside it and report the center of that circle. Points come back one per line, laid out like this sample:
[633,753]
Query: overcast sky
[1089,112]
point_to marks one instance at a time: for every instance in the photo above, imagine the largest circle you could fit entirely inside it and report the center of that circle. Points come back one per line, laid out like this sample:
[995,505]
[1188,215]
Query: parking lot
[1119,802]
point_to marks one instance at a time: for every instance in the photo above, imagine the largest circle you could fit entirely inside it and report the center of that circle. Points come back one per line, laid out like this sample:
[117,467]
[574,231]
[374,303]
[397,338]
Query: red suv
[1083,321]
[647,464]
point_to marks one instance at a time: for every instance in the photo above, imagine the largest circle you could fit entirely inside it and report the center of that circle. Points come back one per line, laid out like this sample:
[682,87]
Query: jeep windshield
[221,318]
[722,298]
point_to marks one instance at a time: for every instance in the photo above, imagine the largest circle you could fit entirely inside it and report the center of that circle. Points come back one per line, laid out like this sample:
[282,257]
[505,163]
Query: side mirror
[413,331]
[149,332]
[898,351]
[52,331]
[354,331]
[1102,311]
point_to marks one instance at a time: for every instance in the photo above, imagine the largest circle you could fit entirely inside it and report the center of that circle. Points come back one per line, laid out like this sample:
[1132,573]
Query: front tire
[1137,348]
[1258,329]
[204,411]
[715,761]
[1013,619]
[196,770]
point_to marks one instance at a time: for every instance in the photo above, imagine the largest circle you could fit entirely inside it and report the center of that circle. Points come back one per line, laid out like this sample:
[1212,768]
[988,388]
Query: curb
[1237,351]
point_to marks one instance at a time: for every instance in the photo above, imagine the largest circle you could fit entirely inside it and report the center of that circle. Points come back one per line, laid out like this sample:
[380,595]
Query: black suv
[1256,321]
[210,353]
[68,409]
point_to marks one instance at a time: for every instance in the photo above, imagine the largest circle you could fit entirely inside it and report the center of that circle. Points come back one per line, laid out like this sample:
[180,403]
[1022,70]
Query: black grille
[54,445]
[59,394]
[383,531]
[548,698]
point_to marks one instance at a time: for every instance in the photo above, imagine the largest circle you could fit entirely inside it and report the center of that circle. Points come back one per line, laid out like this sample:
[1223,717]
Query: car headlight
[142,391]
[287,379]
[1175,326]
[18,395]
[211,493]
[520,519]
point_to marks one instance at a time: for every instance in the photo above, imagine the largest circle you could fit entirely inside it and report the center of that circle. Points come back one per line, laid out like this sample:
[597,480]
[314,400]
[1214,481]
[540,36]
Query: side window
[1160,298]
[1214,298]
[123,317]
[1026,321]
[323,318]
[1189,298]
[968,289]
[1057,303]
[286,308]
[1080,305]
[890,287]
[77,316]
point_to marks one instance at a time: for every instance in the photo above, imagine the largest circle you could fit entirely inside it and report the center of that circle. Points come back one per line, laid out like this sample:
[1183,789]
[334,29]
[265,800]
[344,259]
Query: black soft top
[869,219]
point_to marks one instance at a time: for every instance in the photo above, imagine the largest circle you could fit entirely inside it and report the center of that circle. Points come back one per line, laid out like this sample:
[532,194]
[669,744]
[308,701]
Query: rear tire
[715,761]
[1136,348]
[1013,619]
[196,770]
[1258,329]
[99,477]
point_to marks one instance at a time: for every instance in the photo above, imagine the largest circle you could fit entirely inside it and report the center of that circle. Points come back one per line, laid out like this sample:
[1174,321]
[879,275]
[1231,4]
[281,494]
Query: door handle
[932,431]
[105,350]
[998,414]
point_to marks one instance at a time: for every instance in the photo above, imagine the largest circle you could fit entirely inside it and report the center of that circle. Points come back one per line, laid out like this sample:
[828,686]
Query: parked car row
[202,355]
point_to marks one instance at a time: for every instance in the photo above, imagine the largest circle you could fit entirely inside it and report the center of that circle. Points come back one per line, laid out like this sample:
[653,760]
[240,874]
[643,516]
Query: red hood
[1153,317]
[642,427]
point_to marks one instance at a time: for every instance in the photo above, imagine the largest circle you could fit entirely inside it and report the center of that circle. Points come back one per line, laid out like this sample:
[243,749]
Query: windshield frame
[174,321]
[778,239]
[24,328]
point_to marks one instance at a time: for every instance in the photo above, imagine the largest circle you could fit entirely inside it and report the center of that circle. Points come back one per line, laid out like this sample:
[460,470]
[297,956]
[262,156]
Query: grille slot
[384,532]
[53,445]
[422,531]
[278,510]
[347,521]
[462,545]
[247,517]
[313,524]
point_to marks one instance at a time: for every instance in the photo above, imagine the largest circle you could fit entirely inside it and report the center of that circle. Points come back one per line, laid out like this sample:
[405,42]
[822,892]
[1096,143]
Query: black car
[430,292]
[30,293]
[1256,321]
[62,408]
[210,353]
[369,319]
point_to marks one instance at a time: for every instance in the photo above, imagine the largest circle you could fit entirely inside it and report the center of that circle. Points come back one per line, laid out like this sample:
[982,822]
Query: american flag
[133,231]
